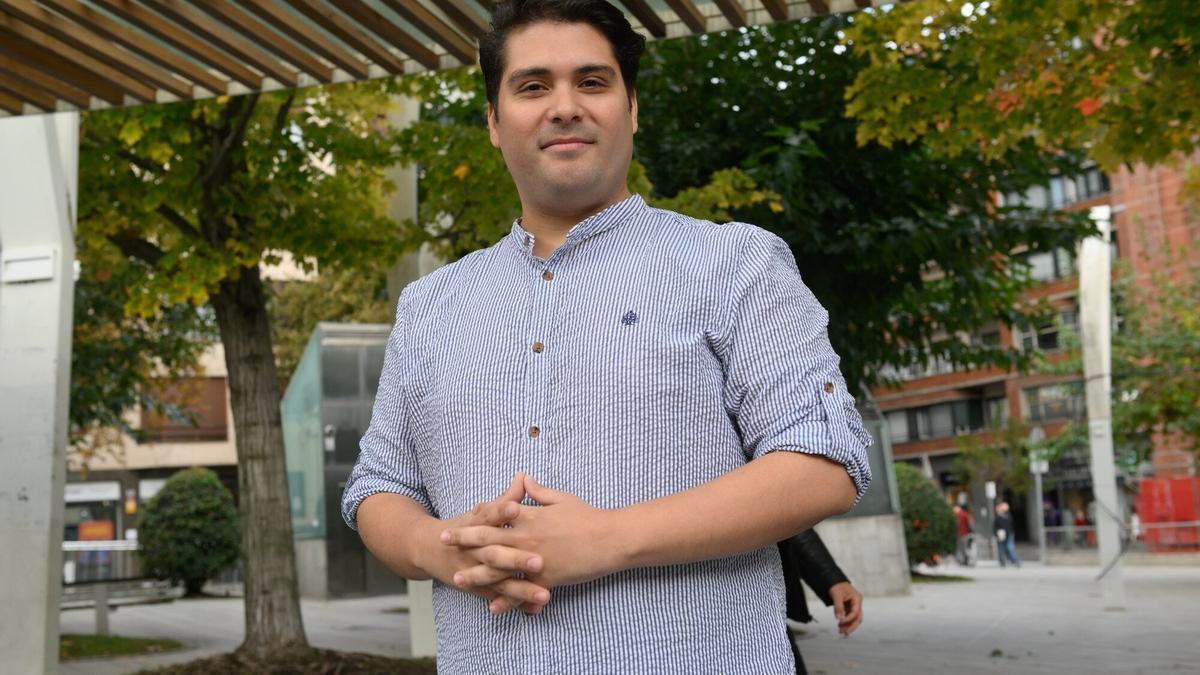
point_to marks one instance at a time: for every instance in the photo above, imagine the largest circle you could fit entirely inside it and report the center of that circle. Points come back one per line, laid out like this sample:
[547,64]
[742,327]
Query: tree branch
[242,107]
[182,224]
[136,247]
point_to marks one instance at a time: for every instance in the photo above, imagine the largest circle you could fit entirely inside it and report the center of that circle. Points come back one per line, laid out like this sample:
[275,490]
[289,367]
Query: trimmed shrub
[189,530]
[929,525]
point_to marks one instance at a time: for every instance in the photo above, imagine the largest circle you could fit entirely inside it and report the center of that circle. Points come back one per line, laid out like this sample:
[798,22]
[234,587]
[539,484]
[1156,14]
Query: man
[805,558]
[1006,542]
[658,394]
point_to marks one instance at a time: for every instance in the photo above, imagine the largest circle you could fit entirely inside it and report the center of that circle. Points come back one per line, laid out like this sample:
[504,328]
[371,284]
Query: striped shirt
[647,355]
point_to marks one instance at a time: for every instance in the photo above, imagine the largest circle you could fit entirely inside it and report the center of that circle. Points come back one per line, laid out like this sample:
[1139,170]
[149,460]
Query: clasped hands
[513,555]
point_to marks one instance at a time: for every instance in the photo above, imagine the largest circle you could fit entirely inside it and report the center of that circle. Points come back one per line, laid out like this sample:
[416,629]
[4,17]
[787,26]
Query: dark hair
[627,45]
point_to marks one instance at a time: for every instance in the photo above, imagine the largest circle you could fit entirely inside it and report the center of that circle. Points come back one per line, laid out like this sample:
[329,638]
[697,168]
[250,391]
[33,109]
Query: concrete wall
[871,551]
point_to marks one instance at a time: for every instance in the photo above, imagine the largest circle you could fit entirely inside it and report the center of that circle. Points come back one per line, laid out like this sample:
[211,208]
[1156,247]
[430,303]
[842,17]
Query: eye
[531,87]
[593,83]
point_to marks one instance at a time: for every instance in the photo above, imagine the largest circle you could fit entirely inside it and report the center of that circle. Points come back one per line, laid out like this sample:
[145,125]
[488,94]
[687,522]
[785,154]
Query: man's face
[565,124]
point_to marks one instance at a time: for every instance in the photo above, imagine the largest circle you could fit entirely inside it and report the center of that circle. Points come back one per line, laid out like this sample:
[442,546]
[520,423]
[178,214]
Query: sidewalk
[1035,619]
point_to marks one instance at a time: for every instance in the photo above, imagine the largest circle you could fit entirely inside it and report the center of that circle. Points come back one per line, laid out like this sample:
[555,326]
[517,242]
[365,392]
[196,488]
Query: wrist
[424,546]
[621,539]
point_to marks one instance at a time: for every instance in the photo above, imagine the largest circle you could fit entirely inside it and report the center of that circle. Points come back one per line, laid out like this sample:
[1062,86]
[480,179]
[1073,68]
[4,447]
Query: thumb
[515,491]
[542,494]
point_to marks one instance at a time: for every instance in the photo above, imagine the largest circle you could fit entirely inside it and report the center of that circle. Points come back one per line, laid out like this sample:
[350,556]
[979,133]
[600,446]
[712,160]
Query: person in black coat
[806,558]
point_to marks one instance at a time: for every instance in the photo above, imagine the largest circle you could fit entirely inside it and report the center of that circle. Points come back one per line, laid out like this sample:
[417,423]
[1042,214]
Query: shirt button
[828,387]
[534,432]
[538,347]
[548,275]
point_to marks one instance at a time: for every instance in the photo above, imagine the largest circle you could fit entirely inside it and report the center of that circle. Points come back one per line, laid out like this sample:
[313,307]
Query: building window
[1062,191]
[995,411]
[1048,266]
[1046,337]
[1053,402]
[935,421]
[196,412]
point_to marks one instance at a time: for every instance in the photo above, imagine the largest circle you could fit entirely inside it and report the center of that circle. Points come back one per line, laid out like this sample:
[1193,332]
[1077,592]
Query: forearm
[399,532]
[768,500]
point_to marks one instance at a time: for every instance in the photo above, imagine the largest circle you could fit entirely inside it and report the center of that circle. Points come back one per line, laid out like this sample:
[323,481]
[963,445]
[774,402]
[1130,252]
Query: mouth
[569,143]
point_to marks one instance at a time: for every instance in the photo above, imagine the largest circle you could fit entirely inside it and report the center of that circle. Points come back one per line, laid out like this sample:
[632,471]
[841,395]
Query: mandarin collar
[597,223]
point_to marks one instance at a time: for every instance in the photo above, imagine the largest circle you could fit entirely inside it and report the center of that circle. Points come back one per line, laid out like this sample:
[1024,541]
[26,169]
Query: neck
[549,226]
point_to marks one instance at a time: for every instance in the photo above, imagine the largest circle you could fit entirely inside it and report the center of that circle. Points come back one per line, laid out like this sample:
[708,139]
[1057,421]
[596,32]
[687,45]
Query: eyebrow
[539,71]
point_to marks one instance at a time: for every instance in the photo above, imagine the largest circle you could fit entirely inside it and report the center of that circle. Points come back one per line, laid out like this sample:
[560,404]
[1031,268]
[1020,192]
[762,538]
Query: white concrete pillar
[38,178]
[1095,320]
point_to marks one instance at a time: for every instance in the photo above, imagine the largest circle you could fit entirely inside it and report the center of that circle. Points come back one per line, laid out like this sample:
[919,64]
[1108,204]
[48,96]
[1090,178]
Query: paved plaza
[1029,620]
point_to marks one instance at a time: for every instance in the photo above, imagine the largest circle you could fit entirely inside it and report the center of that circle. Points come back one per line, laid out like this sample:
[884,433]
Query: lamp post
[1039,466]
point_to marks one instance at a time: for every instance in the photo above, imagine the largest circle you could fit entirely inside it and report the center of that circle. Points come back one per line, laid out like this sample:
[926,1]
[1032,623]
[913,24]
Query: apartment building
[936,404]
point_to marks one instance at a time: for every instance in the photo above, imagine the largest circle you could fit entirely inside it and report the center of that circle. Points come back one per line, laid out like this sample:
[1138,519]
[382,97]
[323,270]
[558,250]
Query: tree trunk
[272,605]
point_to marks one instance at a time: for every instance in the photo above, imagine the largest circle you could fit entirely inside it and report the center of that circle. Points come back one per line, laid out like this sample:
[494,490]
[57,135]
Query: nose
[564,106]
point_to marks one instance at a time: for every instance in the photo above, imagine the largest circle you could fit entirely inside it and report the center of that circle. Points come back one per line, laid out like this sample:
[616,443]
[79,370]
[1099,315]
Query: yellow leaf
[462,171]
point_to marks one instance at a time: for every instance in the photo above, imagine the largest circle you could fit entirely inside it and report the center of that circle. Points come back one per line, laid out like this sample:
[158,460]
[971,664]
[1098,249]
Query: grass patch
[919,578]
[71,646]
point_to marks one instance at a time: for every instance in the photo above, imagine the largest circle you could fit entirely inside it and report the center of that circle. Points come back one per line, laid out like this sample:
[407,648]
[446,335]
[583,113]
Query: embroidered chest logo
[629,319]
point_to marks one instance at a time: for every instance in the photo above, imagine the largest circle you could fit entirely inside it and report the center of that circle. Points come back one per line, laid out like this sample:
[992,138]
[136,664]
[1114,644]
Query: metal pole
[1095,282]
[1041,516]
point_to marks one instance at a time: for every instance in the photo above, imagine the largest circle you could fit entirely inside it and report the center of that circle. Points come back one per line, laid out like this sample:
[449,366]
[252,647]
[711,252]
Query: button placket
[544,309]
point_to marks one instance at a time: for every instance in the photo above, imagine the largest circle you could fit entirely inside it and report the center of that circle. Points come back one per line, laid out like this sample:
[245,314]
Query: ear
[633,109]
[492,122]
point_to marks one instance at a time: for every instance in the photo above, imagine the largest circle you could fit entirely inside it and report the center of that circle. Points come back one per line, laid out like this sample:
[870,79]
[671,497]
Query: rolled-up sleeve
[782,382]
[387,461]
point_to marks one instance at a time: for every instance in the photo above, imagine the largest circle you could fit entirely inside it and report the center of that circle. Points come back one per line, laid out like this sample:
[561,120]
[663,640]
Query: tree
[189,530]
[296,307]
[1001,457]
[199,194]
[907,250]
[1118,78]
[929,524]
[118,359]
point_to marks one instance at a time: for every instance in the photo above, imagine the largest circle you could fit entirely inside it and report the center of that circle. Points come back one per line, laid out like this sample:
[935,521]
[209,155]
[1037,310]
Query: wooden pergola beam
[11,104]
[206,27]
[39,58]
[429,24]
[467,19]
[733,11]
[354,36]
[29,93]
[295,28]
[96,46]
[650,19]
[182,40]
[237,19]
[151,50]
[688,13]
[47,82]
[97,70]
[776,8]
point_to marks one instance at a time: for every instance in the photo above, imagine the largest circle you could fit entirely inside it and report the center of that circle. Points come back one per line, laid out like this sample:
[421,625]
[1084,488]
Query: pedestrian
[805,558]
[658,393]
[1005,539]
[964,551]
